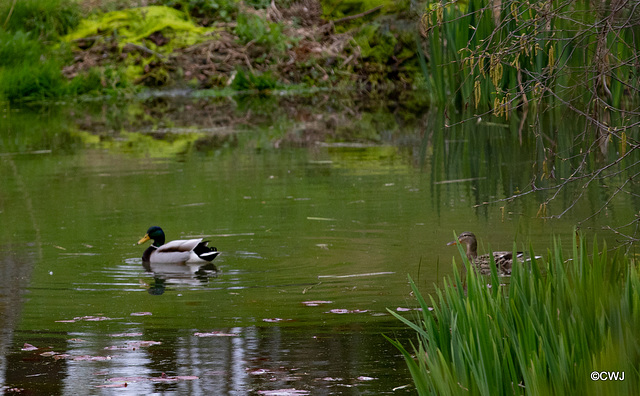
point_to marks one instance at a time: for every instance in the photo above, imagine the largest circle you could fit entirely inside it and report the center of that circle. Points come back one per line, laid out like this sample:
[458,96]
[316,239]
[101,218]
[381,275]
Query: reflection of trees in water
[237,361]
[16,265]
[267,358]
[562,165]
[15,274]
[34,373]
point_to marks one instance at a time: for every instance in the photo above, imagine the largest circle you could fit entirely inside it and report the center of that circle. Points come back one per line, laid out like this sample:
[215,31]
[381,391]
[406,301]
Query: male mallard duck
[178,251]
[504,260]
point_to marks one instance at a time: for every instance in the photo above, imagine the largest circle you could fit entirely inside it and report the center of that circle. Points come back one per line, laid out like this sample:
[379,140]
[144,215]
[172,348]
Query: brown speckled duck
[504,260]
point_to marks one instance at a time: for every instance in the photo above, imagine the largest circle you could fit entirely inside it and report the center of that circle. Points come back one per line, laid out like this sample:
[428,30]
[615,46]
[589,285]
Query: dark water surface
[316,241]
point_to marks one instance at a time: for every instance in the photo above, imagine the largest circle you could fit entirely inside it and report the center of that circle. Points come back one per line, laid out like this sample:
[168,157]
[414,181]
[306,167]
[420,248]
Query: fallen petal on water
[128,379]
[90,358]
[259,372]
[215,334]
[316,303]
[28,347]
[133,345]
[347,311]
[162,378]
[284,392]
[123,385]
[402,309]
[88,318]
[125,335]
[141,314]
[145,343]
[276,320]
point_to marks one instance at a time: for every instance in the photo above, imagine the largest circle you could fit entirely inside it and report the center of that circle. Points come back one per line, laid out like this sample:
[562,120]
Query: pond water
[317,242]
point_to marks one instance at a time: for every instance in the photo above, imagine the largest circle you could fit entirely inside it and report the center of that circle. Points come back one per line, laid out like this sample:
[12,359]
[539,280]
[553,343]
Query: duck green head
[154,233]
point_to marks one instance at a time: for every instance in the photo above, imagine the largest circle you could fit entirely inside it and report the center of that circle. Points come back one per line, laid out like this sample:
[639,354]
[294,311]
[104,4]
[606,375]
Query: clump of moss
[136,24]
[140,40]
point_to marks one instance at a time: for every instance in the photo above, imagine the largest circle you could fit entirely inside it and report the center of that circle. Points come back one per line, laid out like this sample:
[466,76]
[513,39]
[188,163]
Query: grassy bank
[543,334]
[56,48]
[27,68]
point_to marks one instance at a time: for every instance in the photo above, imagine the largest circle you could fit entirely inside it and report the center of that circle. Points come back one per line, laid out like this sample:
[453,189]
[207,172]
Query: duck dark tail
[205,252]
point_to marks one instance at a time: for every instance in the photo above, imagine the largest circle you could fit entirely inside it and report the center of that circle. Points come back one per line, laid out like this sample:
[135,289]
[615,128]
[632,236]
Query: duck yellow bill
[452,243]
[144,239]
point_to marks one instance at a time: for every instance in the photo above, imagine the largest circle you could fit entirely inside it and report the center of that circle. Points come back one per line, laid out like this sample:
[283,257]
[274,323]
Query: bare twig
[144,49]
[356,16]
[6,21]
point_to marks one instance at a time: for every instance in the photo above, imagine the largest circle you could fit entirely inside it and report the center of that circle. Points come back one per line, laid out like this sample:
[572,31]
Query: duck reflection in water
[178,274]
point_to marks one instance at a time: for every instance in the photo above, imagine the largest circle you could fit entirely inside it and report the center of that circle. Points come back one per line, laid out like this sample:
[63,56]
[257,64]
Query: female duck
[178,251]
[503,260]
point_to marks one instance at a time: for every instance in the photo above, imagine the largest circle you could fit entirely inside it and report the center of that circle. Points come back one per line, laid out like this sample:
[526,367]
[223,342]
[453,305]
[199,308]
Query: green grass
[25,73]
[247,81]
[45,18]
[31,68]
[30,72]
[18,48]
[543,334]
[253,28]
[37,81]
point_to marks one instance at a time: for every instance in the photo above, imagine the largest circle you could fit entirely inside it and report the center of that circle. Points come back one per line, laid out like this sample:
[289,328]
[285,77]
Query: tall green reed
[498,55]
[544,333]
